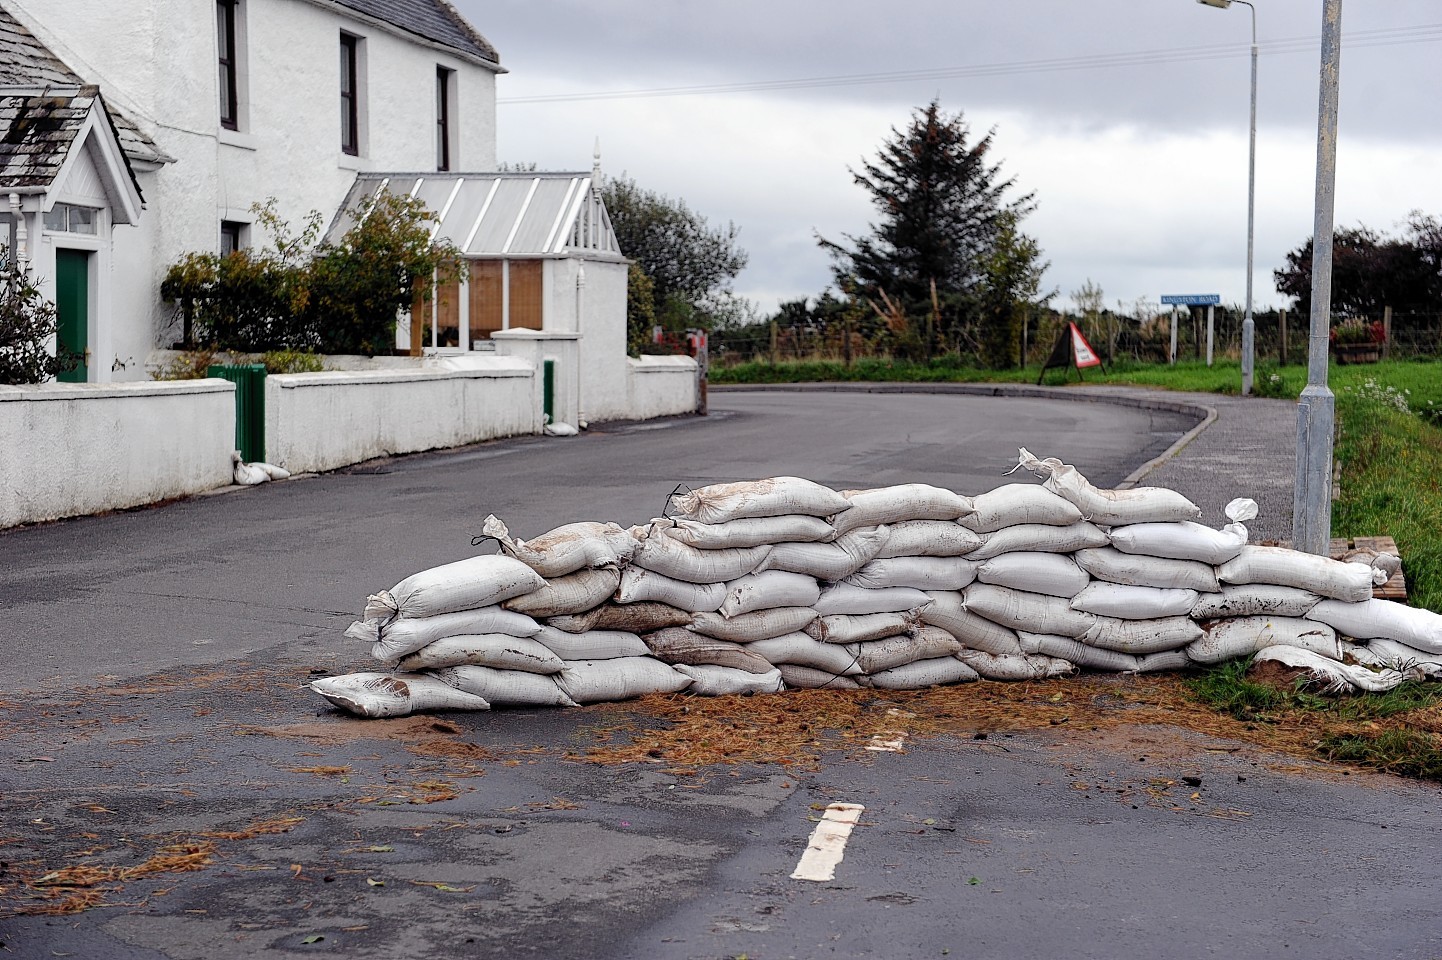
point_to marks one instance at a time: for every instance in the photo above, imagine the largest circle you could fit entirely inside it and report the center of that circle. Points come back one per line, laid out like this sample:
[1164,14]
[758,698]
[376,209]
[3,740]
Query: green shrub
[27,331]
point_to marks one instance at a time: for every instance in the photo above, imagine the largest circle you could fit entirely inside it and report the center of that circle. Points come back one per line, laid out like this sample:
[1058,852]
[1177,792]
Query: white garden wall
[661,386]
[73,449]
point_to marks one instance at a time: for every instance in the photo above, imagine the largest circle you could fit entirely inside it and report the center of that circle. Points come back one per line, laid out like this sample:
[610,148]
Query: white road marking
[828,842]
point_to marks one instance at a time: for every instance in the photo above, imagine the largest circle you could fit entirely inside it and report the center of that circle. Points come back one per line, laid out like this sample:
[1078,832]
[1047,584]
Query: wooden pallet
[1344,549]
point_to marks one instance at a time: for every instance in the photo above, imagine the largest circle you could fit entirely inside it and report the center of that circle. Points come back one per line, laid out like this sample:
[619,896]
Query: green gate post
[548,391]
[249,380]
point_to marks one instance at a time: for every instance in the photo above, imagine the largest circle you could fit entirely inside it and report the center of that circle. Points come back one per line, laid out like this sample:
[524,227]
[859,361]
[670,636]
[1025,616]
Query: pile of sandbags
[755,587]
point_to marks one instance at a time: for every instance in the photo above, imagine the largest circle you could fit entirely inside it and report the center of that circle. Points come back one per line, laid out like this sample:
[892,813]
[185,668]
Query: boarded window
[448,314]
[486,303]
[526,294]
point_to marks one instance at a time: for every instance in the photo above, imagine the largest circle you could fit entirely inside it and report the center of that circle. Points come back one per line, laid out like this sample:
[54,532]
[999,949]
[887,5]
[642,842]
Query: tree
[1371,270]
[691,264]
[1011,285]
[640,309]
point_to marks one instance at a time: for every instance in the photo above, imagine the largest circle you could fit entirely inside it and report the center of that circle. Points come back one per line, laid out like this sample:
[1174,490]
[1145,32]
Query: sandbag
[595,681]
[487,650]
[1332,676]
[507,688]
[1081,654]
[837,560]
[1012,504]
[1400,656]
[574,593]
[1134,603]
[1352,582]
[757,625]
[907,501]
[1053,574]
[774,497]
[859,628]
[1252,600]
[800,649]
[1164,660]
[924,673]
[747,532]
[809,678]
[873,656]
[393,695]
[1109,507]
[394,639]
[1041,537]
[1241,636]
[948,611]
[631,617]
[592,644]
[1007,666]
[661,554]
[1113,566]
[1023,610]
[464,585]
[709,680]
[639,585]
[1142,637]
[566,549]
[1371,619]
[1186,539]
[929,538]
[762,591]
[921,573]
[844,598]
[679,645]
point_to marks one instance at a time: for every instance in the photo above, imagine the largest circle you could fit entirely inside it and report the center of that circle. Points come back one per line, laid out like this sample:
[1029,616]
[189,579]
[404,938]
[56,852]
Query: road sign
[1071,350]
[1192,299]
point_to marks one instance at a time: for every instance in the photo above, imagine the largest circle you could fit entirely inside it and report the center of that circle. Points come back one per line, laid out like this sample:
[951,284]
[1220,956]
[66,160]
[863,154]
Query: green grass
[1407,753]
[1228,688]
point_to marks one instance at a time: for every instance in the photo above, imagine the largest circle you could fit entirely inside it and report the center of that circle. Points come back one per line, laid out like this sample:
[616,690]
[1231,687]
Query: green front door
[72,306]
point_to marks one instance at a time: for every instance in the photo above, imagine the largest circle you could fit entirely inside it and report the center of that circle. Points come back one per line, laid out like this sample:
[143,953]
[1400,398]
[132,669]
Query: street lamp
[1249,327]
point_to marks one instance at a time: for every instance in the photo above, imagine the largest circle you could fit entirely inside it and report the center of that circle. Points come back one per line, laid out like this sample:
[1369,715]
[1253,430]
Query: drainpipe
[580,312]
[22,236]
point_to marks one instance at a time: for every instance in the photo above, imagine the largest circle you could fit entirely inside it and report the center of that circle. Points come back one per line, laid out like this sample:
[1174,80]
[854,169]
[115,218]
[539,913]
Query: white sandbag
[837,560]
[574,593]
[929,538]
[393,695]
[1352,582]
[924,673]
[1081,654]
[679,645]
[844,598]
[639,585]
[1164,660]
[774,497]
[929,643]
[757,625]
[1023,610]
[1053,574]
[394,639]
[762,591]
[661,554]
[1399,656]
[1334,677]
[1254,600]
[1414,626]
[567,548]
[1041,537]
[1142,637]
[1134,603]
[507,688]
[596,681]
[592,644]
[1113,566]
[630,617]
[1241,636]
[709,680]
[748,532]
[859,628]
[906,501]
[1029,666]
[1367,657]
[487,650]
[464,585]
[803,651]
[1109,507]
[1016,503]
[921,573]
[1188,540]
[809,678]
[948,611]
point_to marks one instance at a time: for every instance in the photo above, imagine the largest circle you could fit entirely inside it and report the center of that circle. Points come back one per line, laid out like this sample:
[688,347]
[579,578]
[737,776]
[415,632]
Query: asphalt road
[153,722]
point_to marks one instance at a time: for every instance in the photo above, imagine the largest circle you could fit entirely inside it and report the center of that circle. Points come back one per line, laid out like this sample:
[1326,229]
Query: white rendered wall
[534,348]
[73,449]
[322,421]
[596,310]
[661,386]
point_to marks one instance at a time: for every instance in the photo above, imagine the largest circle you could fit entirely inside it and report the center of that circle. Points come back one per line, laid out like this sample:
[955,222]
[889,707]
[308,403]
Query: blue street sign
[1193,299]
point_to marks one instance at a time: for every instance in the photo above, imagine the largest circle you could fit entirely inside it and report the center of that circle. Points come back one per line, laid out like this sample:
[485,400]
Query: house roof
[39,131]
[434,20]
[26,62]
[500,214]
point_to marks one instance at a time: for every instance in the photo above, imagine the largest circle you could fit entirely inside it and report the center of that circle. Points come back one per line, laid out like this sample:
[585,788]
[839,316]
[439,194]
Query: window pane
[225,44]
[349,126]
[82,219]
[526,294]
[448,314]
[485,299]
[55,219]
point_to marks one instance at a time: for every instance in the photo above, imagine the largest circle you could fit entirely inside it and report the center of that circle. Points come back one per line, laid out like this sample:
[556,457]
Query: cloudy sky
[1127,118]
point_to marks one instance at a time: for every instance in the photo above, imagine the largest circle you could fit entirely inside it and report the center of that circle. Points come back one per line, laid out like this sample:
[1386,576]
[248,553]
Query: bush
[27,330]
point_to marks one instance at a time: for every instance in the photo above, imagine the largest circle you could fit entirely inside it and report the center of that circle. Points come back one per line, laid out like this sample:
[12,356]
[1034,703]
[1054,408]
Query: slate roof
[434,20]
[26,62]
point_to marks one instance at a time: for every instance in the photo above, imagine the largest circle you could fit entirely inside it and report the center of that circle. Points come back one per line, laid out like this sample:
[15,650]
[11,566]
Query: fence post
[1386,333]
[846,343]
[773,343]
[1282,323]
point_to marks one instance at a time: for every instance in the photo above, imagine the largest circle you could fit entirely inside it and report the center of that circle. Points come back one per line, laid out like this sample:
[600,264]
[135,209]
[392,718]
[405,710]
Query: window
[232,236]
[523,296]
[444,81]
[227,46]
[350,94]
[69,218]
